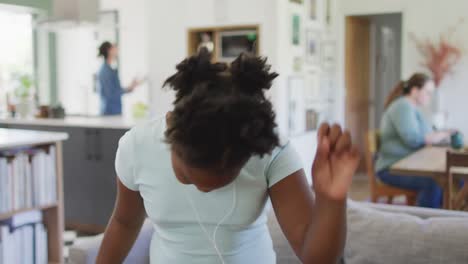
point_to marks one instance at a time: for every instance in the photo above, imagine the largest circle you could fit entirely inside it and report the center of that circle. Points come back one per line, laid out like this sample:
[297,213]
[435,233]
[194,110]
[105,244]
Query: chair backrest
[372,148]
[456,159]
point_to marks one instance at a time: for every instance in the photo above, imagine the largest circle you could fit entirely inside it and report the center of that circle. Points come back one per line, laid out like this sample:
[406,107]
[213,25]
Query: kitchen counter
[12,138]
[112,122]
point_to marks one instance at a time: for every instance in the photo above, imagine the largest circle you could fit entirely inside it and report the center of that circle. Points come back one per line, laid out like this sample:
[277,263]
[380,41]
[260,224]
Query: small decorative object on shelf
[206,41]
[11,108]
[57,112]
[43,111]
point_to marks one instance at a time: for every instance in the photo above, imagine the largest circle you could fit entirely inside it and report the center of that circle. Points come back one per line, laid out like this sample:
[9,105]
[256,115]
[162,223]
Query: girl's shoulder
[148,134]
[281,162]
[153,128]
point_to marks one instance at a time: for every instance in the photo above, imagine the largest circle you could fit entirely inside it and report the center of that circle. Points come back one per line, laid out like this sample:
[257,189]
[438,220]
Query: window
[16,54]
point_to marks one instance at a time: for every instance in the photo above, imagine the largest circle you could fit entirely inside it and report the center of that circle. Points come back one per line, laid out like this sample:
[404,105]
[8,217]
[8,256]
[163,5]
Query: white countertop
[13,138]
[113,122]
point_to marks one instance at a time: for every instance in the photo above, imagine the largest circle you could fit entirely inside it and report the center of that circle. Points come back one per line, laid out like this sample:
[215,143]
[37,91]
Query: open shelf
[194,38]
[14,142]
[5,216]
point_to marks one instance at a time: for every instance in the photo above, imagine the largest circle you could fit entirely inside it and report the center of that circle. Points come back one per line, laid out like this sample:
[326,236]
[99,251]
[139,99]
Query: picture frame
[312,91]
[313,10]
[297,1]
[298,63]
[296,29]
[312,119]
[296,105]
[312,46]
[328,55]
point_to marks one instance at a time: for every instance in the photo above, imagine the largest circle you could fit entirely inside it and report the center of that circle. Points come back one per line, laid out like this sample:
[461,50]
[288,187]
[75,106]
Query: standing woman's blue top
[110,90]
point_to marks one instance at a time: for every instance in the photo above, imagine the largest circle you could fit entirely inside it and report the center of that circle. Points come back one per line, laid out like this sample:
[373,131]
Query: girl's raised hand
[335,163]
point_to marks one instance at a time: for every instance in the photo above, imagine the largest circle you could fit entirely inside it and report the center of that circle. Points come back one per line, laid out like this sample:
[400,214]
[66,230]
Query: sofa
[377,234]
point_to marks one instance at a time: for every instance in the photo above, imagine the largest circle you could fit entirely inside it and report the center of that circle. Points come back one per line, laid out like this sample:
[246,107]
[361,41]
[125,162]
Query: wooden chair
[377,188]
[457,167]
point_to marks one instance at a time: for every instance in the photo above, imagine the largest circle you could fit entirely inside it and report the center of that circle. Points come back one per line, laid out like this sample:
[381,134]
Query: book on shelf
[27,179]
[23,239]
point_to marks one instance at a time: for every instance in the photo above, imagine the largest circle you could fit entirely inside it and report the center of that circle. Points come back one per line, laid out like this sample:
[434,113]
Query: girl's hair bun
[251,74]
[194,71]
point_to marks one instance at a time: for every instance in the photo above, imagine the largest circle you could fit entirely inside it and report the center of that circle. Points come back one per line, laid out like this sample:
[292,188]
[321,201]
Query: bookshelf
[13,142]
[8,215]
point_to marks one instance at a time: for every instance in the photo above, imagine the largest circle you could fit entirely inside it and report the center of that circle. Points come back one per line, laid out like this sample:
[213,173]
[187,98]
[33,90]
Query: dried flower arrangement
[439,57]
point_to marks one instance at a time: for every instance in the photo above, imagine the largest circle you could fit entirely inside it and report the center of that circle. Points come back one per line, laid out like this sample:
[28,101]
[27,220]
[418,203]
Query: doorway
[372,68]
[385,39]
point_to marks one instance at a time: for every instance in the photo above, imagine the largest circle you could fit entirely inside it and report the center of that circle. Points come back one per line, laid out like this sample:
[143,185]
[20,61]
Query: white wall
[425,18]
[168,21]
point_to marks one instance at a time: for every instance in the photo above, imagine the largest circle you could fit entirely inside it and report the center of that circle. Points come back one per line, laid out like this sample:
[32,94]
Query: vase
[439,116]
[23,108]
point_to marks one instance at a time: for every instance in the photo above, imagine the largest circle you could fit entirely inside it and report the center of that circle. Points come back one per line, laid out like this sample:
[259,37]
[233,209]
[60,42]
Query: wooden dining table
[428,162]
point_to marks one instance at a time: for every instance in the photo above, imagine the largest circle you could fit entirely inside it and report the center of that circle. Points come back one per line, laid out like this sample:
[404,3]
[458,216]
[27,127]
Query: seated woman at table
[404,130]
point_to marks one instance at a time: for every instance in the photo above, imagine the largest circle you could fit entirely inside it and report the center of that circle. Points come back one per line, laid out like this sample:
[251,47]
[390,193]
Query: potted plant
[23,92]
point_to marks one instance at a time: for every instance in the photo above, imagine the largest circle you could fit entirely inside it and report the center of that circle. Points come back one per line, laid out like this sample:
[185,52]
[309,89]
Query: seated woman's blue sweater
[402,131]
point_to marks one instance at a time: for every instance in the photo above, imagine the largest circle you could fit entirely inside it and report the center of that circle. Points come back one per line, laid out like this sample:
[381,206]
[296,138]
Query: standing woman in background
[403,131]
[110,89]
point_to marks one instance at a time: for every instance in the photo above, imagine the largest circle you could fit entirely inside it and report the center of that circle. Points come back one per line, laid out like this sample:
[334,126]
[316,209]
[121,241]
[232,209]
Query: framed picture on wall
[298,63]
[328,58]
[296,105]
[313,10]
[312,93]
[297,1]
[296,30]
[312,40]
[312,120]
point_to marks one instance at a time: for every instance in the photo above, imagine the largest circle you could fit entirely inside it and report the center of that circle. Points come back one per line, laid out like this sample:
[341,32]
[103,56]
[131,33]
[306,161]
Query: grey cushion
[386,238]
[84,250]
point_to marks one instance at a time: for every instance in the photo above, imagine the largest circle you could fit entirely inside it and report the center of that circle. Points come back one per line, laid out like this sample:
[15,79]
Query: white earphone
[212,238]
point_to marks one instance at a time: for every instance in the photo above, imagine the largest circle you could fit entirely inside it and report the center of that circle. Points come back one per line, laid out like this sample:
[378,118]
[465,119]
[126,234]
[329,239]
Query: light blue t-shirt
[403,130]
[143,164]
